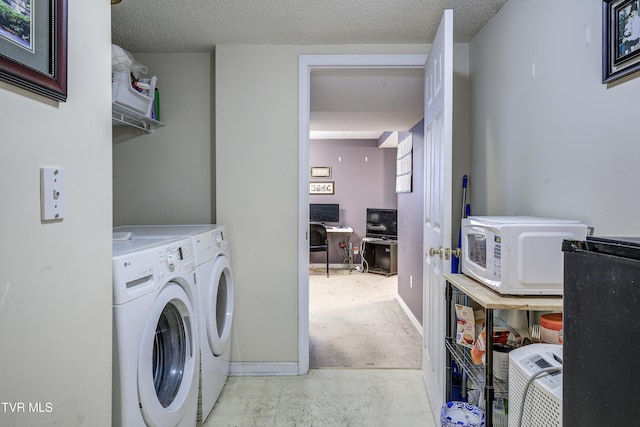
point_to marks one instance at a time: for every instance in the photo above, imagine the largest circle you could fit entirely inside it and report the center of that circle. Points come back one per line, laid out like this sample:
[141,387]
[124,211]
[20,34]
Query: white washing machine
[155,339]
[214,280]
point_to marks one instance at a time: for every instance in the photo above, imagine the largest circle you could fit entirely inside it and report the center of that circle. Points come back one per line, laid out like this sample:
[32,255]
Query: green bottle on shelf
[156,103]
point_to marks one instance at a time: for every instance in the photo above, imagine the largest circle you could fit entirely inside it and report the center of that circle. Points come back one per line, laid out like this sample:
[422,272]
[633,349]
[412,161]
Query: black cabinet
[381,256]
[601,324]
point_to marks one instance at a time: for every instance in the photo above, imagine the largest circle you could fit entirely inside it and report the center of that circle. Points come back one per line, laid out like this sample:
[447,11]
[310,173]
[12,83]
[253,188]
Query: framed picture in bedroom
[321,187]
[320,172]
[33,46]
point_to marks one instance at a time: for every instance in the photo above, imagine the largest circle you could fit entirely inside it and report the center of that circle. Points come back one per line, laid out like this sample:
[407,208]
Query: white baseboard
[263,369]
[323,266]
[416,324]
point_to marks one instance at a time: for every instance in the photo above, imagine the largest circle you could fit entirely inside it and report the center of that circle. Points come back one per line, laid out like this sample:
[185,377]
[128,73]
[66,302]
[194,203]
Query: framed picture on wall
[321,187]
[620,38]
[320,172]
[404,163]
[33,46]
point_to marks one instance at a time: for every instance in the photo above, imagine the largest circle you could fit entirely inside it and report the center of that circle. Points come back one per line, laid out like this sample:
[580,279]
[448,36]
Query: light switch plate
[53,193]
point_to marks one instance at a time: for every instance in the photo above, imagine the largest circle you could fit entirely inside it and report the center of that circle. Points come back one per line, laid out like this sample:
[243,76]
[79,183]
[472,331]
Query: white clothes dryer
[215,287]
[155,339]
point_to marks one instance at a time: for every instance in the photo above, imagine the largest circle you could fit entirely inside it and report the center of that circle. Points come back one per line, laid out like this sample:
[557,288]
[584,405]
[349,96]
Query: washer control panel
[178,257]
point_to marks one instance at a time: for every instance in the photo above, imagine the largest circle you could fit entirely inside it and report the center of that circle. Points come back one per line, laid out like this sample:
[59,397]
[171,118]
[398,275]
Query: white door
[437,205]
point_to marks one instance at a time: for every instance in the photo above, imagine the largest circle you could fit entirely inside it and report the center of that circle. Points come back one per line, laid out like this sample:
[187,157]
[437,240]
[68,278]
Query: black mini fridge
[601,351]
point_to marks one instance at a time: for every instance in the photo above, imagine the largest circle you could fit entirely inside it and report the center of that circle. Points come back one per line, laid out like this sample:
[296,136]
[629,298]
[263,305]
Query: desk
[331,229]
[346,231]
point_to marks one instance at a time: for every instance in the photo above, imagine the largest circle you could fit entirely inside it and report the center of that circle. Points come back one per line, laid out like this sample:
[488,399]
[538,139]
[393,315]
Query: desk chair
[318,240]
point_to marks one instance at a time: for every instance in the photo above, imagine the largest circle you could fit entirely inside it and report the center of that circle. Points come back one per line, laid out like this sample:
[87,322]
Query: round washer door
[219,305]
[166,362]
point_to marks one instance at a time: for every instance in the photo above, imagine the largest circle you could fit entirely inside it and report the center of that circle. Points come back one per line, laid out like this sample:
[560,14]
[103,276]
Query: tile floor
[326,397]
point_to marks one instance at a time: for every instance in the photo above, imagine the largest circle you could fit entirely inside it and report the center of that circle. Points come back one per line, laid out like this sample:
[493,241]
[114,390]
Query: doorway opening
[308,63]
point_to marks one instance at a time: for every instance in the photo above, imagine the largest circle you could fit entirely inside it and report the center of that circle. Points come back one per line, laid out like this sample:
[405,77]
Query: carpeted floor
[355,321]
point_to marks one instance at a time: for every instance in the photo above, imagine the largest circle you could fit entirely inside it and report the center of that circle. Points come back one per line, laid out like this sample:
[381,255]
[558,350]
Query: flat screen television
[324,212]
[382,223]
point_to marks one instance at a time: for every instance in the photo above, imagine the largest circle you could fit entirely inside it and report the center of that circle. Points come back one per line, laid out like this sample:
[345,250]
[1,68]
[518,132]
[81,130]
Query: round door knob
[433,252]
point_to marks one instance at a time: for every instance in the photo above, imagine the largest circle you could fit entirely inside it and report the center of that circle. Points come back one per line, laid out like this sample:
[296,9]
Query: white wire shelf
[126,117]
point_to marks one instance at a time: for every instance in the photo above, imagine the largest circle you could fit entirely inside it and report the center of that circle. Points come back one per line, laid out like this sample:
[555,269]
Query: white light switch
[53,193]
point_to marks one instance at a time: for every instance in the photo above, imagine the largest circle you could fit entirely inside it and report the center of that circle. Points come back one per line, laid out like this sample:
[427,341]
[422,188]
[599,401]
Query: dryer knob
[170,260]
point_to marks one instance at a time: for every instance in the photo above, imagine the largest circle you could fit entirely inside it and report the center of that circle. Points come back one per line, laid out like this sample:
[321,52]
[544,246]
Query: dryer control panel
[221,243]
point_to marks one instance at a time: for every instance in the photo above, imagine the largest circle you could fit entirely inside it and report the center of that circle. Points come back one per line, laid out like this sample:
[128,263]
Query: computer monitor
[324,212]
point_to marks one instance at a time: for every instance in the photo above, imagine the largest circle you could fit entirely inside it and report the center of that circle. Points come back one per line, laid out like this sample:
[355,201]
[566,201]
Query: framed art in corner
[324,187]
[404,163]
[620,39]
[320,172]
[33,46]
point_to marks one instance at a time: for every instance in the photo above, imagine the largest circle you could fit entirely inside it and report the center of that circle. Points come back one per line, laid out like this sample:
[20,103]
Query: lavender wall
[364,177]
[410,207]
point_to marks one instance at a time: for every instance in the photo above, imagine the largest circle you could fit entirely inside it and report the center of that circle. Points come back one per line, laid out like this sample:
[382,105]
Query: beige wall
[257,188]
[165,177]
[561,144]
[55,278]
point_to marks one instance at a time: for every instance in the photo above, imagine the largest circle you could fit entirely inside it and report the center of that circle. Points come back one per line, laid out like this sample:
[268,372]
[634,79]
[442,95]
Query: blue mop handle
[455,262]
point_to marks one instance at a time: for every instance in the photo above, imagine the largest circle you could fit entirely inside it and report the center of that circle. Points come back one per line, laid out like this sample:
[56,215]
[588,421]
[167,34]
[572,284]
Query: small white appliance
[155,341]
[532,390]
[517,255]
[215,291]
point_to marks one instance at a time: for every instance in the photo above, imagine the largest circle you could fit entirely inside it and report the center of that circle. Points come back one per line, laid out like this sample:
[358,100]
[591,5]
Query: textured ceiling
[344,103]
[157,26]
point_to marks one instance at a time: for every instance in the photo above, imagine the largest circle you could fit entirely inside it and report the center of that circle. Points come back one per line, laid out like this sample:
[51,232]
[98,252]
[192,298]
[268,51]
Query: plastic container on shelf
[501,361]
[138,99]
[551,328]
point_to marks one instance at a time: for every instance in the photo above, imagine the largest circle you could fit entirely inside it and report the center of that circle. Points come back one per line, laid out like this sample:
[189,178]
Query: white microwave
[517,255]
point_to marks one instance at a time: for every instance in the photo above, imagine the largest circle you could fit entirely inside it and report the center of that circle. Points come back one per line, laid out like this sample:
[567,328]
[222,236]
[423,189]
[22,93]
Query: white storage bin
[124,94]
